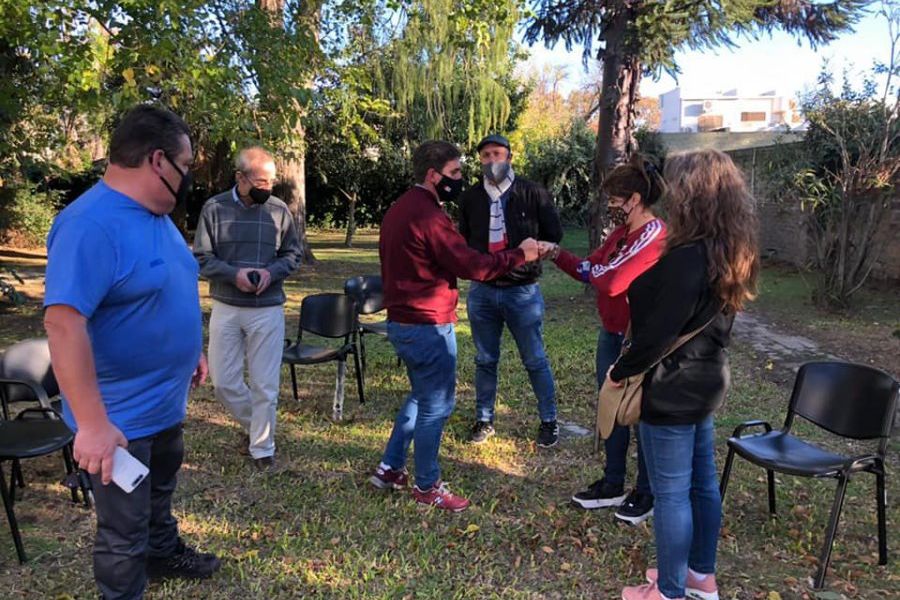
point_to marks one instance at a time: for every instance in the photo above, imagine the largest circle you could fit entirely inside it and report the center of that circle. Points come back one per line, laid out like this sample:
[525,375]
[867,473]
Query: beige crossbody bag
[622,405]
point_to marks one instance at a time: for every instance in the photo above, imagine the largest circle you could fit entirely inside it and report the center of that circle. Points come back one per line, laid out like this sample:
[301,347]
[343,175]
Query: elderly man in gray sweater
[246,244]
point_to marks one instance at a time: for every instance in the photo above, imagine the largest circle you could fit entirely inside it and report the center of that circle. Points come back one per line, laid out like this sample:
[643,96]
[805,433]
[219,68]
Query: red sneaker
[693,588]
[439,496]
[389,479]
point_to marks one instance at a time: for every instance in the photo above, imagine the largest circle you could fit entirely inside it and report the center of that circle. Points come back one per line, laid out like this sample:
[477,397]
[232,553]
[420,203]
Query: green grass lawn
[316,529]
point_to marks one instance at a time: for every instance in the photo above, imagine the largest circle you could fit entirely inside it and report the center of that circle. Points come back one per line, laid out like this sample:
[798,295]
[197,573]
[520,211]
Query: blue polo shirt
[130,273]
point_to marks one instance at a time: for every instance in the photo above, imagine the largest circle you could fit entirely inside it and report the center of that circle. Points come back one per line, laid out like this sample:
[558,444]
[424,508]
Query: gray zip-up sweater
[231,236]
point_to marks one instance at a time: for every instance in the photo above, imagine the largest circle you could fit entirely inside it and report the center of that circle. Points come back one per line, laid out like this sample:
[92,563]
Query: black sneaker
[481,431]
[264,464]
[600,495]
[637,508]
[184,563]
[548,434]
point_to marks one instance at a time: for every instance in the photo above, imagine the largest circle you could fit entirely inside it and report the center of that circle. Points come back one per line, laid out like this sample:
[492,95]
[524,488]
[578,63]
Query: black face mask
[617,215]
[184,188]
[449,189]
[259,196]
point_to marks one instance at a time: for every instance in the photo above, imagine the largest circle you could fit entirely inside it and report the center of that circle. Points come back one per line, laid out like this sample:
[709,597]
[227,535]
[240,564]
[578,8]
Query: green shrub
[26,215]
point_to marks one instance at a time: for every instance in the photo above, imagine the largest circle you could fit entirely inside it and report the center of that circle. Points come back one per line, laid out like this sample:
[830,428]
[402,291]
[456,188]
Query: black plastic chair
[366,291]
[29,437]
[848,400]
[29,361]
[328,316]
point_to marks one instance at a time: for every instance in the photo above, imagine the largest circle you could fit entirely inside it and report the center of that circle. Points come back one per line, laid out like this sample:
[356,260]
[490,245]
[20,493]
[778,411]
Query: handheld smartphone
[128,472]
[253,277]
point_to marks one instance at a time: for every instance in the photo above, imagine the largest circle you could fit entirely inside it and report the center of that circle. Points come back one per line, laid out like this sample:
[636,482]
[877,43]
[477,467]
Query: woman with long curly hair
[708,272]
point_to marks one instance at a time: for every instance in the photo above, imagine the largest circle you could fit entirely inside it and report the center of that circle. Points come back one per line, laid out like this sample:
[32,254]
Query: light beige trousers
[255,335]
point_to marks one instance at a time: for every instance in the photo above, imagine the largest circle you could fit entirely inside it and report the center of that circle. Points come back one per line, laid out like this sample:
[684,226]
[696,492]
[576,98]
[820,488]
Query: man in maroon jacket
[422,254]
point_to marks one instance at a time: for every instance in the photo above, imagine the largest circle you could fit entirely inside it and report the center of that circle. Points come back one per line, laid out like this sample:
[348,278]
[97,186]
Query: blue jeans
[609,345]
[429,353]
[688,508]
[521,307]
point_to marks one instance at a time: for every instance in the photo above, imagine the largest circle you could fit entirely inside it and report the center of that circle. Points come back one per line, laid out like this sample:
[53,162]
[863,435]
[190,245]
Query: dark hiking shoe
[481,431]
[548,434]
[185,563]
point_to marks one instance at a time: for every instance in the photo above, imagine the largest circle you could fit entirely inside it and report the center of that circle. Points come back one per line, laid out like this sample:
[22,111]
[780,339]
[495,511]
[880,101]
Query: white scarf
[497,240]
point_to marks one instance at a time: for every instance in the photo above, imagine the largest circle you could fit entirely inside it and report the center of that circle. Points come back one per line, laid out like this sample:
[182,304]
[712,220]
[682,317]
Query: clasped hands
[538,250]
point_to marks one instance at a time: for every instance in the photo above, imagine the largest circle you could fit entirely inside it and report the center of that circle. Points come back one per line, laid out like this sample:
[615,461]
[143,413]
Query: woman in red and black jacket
[630,249]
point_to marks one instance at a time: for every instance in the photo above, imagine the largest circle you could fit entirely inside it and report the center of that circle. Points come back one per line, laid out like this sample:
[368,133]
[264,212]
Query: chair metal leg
[12,483]
[825,559]
[726,473]
[361,348]
[70,470]
[770,476]
[882,519]
[17,471]
[337,407]
[359,378]
[87,490]
[11,517]
[294,383]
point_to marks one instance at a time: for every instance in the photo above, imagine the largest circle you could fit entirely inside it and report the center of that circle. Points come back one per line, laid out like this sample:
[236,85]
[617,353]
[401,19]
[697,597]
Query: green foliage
[451,62]
[650,143]
[656,31]
[847,174]
[48,57]
[563,166]
[29,214]
[643,37]
[78,63]
[357,162]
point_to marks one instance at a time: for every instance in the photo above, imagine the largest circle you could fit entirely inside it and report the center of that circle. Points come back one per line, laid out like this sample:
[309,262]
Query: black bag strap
[681,341]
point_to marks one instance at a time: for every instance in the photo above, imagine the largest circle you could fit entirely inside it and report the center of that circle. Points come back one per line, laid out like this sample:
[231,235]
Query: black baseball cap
[494,138]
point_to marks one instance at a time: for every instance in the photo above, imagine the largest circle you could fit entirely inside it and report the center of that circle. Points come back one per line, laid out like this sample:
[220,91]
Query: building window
[693,110]
[752,117]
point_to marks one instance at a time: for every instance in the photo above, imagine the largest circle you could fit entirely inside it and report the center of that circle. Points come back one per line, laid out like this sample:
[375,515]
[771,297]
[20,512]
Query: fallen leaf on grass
[547,549]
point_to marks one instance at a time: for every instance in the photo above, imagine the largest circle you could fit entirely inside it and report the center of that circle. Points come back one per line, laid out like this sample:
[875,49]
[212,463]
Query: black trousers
[132,527]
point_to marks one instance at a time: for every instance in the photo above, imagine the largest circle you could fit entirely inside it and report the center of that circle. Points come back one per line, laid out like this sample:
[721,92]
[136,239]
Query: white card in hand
[128,472]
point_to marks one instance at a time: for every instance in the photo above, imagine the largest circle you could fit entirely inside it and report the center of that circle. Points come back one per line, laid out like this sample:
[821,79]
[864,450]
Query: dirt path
[785,351]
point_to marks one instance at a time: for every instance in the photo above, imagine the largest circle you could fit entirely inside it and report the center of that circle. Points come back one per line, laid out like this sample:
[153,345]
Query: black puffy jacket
[530,212]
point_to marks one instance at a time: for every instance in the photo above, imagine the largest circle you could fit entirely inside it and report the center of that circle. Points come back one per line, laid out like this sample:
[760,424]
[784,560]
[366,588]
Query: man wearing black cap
[495,215]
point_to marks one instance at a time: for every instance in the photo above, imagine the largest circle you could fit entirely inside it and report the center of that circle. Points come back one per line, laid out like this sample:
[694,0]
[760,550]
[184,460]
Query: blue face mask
[496,171]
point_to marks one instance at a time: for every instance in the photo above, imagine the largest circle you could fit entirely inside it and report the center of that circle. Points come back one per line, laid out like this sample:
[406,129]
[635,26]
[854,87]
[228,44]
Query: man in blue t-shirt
[124,324]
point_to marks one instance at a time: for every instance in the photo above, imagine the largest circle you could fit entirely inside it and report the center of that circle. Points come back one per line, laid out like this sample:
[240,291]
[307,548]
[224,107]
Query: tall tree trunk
[618,100]
[292,189]
[292,168]
[351,218]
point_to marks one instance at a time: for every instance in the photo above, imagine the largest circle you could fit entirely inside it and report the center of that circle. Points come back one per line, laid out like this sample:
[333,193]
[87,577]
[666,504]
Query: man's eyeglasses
[259,181]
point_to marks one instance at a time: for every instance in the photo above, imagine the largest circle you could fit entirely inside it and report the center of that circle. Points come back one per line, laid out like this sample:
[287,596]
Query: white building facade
[727,111]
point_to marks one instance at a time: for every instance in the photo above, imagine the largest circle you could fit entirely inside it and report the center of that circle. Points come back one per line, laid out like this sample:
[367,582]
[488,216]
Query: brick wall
[783,233]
